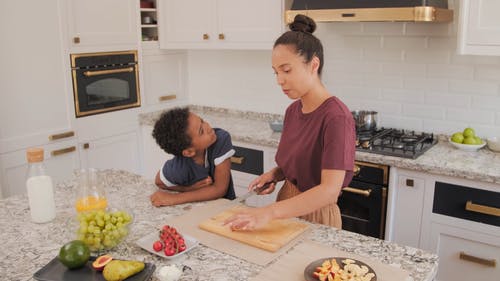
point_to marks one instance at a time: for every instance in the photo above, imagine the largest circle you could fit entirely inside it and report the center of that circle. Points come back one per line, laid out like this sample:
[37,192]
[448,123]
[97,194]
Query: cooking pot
[365,120]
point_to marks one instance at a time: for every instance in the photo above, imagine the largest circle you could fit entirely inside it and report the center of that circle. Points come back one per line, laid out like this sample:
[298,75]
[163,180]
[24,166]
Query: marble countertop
[441,159]
[27,247]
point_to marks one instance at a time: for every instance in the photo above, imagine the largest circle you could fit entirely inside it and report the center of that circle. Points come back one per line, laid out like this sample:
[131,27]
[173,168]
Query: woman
[315,155]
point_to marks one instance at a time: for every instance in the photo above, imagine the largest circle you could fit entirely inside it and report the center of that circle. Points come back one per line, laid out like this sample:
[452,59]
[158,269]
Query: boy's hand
[204,182]
[162,198]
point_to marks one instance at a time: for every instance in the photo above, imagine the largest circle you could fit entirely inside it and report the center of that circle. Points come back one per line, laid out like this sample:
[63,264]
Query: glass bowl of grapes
[103,229]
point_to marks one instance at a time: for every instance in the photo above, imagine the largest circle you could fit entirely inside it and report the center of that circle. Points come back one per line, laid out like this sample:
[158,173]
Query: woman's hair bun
[303,23]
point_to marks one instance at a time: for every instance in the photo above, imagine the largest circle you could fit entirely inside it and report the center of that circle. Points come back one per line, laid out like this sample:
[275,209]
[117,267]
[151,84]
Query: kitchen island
[27,246]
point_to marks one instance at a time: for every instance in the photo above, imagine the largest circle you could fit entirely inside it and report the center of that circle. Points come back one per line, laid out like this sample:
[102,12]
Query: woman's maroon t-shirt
[322,139]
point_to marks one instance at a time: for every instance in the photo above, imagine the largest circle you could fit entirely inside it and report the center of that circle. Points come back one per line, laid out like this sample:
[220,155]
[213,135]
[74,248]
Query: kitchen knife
[252,192]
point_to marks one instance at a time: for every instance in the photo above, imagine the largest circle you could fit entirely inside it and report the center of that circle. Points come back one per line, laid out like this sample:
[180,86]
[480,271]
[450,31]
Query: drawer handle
[63,151]
[61,135]
[358,191]
[237,159]
[486,262]
[487,210]
[168,97]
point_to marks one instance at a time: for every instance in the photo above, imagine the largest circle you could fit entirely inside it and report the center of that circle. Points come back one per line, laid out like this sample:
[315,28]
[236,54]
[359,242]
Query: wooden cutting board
[270,238]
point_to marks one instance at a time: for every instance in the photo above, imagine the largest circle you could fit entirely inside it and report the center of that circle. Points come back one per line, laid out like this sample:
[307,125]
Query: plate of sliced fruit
[167,242]
[339,269]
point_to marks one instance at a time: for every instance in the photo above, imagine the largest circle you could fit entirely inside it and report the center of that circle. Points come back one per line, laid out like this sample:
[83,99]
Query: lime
[469,132]
[469,140]
[457,137]
[74,254]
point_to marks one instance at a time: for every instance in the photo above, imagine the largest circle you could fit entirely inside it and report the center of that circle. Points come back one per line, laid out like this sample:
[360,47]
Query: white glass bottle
[40,189]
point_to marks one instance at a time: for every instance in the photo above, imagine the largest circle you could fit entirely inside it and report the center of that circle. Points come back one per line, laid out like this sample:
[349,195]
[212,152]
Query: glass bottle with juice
[90,192]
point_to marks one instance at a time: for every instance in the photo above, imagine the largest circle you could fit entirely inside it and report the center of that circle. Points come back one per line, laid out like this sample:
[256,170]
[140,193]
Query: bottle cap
[34,154]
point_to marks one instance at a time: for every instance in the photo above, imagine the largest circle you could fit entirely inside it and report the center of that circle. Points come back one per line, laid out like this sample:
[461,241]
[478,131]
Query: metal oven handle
[89,73]
[358,191]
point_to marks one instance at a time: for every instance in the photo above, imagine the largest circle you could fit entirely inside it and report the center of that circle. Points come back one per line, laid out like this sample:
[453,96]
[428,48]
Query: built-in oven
[363,203]
[105,81]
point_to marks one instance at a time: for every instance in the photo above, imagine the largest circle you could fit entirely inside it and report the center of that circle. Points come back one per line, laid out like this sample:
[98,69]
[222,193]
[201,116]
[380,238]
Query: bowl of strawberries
[167,242]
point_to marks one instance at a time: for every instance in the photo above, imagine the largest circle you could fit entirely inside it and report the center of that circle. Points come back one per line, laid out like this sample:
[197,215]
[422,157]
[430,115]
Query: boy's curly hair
[170,131]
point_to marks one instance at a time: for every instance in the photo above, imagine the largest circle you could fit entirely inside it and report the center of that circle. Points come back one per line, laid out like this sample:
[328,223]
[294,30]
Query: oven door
[99,90]
[362,206]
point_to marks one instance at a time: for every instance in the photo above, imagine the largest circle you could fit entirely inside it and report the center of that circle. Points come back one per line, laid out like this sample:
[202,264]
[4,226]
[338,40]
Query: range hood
[371,10]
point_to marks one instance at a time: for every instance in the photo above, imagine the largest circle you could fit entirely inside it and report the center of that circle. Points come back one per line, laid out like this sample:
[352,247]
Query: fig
[101,262]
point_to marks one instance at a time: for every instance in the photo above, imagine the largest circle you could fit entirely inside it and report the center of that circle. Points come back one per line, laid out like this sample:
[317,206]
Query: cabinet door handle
[76,40]
[90,73]
[237,159]
[205,36]
[61,135]
[63,151]
[86,145]
[471,258]
[487,210]
[358,191]
[222,36]
[410,182]
[167,97]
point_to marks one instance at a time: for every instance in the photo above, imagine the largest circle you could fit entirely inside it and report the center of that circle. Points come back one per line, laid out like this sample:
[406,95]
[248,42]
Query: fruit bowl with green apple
[467,140]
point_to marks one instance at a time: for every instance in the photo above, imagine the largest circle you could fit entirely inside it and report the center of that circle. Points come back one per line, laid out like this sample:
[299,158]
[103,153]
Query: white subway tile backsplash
[486,102]
[403,96]
[449,71]
[448,100]
[353,67]
[342,78]
[343,54]
[443,126]
[470,115]
[405,42]
[404,69]
[398,122]
[382,55]
[423,29]
[487,72]
[383,28]
[431,84]
[382,81]
[442,43]
[427,56]
[362,41]
[473,60]
[483,88]
[423,111]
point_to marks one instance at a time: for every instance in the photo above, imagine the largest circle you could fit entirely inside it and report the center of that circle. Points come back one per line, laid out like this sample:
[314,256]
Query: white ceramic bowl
[467,147]
[494,144]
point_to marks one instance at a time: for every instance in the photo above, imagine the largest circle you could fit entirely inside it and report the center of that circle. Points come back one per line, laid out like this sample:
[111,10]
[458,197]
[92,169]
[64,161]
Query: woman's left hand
[249,219]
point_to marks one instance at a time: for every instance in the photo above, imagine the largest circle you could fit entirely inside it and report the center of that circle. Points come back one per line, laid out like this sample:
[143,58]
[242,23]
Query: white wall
[408,72]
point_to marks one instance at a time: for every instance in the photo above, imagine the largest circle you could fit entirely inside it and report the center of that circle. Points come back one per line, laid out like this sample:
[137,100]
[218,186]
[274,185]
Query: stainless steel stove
[394,142]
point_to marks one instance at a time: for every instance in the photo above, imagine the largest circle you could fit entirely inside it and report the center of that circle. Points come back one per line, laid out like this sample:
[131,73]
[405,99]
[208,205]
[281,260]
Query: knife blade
[252,192]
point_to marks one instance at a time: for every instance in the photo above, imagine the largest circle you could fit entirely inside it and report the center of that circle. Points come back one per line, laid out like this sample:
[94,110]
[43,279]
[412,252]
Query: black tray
[56,271]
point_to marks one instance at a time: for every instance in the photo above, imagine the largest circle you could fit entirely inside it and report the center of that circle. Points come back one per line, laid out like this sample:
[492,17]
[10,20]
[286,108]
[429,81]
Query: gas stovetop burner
[394,142]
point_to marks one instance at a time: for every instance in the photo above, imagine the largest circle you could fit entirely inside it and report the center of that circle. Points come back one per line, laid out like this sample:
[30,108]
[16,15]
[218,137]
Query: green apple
[478,140]
[469,140]
[457,137]
[469,132]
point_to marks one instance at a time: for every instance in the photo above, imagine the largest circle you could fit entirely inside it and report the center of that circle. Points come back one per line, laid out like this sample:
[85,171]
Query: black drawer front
[248,160]
[467,203]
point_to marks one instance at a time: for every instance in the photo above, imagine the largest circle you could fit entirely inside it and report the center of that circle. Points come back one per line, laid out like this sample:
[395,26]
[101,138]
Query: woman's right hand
[267,177]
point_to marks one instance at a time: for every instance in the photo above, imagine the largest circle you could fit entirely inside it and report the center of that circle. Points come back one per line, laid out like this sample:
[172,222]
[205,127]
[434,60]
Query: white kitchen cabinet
[219,24]
[406,202]
[465,254]
[164,78]
[153,157]
[60,160]
[113,152]
[36,99]
[479,27]
[102,23]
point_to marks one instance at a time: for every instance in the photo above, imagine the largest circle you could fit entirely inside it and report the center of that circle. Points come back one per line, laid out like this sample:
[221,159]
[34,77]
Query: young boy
[201,167]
